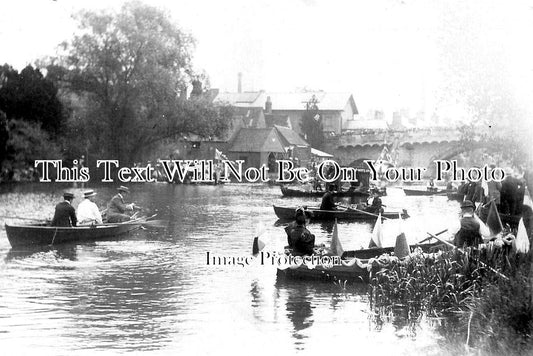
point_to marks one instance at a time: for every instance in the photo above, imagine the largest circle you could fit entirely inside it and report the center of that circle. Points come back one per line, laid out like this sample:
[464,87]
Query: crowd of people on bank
[88,213]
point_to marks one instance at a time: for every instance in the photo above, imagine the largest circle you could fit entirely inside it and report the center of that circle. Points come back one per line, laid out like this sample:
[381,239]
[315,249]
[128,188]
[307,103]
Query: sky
[390,54]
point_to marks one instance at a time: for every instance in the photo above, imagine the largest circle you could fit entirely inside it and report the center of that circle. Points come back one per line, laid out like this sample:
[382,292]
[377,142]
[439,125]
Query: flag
[377,234]
[336,246]
[484,231]
[257,246]
[527,201]
[485,187]
[522,241]
[493,219]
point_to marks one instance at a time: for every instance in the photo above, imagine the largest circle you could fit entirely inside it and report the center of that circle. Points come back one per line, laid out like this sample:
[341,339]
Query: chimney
[239,84]
[268,106]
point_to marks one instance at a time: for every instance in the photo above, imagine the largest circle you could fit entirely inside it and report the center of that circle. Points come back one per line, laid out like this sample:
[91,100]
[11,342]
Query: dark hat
[300,219]
[123,189]
[89,193]
[68,195]
[467,204]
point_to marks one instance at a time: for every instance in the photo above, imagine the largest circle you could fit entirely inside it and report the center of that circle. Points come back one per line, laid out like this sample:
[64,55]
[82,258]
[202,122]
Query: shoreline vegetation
[481,311]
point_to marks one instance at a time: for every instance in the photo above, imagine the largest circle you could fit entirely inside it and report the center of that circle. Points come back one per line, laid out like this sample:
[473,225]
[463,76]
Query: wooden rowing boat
[314,213]
[424,192]
[351,271]
[20,235]
[293,192]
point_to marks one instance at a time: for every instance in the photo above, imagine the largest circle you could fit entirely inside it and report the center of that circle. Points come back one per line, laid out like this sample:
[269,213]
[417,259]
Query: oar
[463,252]
[362,211]
[21,218]
[430,237]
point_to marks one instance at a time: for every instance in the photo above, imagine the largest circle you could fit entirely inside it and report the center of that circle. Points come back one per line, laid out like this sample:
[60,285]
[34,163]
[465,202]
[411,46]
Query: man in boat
[376,206]
[88,213]
[300,240]
[65,214]
[468,234]
[327,200]
[117,208]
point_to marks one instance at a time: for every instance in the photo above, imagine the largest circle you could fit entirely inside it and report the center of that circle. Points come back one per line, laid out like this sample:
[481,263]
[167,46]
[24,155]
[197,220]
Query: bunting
[336,246]
[377,234]
[493,219]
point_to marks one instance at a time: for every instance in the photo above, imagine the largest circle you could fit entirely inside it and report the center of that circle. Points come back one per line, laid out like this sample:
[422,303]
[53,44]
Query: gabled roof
[291,138]
[252,117]
[257,140]
[289,101]
[272,120]
[247,99]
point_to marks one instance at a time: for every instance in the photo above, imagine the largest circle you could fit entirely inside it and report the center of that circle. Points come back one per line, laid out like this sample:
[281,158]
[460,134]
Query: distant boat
[425,192]
[295,192]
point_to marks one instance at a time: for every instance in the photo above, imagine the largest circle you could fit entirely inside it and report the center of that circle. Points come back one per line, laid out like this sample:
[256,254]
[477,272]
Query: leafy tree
[28,142]
[127,71]
[30,96]
[311,124]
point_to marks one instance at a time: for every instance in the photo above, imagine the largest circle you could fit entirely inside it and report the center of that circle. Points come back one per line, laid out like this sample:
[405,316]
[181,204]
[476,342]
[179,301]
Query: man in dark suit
[65,214]
[116,210]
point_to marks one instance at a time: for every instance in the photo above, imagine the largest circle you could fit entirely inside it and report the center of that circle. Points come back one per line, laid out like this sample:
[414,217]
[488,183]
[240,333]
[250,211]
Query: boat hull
[423,192]
[287,213]
[352,273]
[36,235]
[289,192]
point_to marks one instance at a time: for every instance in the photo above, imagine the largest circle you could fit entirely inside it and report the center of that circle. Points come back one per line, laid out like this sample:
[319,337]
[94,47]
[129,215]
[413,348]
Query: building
[265,146]
[336,109]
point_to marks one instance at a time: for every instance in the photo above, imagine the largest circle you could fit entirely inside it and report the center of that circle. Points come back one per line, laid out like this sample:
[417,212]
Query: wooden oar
[21,218]
[463,252]
[430,237]
[362,211]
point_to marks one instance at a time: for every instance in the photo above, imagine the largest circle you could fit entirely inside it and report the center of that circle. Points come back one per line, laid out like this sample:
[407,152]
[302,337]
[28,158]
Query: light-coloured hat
[89,193]
[123,189]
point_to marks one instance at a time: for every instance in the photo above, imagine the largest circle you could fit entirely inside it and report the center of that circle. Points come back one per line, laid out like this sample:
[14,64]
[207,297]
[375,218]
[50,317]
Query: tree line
[114,91]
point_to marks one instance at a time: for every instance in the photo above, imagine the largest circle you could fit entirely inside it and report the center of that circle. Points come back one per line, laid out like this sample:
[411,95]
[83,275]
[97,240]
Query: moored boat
[314,213]
[20,235]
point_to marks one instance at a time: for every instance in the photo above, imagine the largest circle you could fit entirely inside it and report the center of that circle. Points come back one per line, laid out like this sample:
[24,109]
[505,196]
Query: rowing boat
[20,235]
[314,213]
[291,192]
[424,192]
[348,271]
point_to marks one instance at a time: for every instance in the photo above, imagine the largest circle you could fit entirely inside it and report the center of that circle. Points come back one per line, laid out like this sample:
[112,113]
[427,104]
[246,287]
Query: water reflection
[152,291]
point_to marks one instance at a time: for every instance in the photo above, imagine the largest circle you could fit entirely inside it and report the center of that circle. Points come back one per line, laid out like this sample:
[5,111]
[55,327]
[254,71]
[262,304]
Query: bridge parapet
[381,137]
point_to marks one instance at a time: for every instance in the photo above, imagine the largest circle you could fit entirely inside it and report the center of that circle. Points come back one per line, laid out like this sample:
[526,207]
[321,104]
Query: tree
[30,96]
[127,71]
[311,124]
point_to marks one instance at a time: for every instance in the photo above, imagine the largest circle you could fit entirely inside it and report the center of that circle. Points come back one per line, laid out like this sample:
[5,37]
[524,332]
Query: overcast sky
[390,54]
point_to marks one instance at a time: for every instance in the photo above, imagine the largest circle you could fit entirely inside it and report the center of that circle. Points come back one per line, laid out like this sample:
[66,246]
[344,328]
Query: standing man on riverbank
[116,210]
[65,214]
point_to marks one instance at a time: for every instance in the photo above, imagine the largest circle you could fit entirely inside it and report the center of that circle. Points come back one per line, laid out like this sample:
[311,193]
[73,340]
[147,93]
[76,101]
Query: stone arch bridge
[412,148]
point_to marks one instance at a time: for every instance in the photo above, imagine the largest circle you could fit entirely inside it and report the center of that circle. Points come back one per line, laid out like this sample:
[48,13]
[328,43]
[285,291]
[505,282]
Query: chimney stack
[239,84]
[268,106]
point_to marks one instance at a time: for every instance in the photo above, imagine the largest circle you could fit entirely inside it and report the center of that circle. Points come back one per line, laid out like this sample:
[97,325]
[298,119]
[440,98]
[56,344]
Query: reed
[475,307]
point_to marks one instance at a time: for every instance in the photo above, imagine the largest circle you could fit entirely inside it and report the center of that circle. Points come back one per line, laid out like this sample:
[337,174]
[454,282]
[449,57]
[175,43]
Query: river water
[153,292]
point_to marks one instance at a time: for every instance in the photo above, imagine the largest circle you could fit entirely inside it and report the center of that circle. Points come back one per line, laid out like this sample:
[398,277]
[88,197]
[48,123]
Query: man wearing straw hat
[88,213]
[116,210]
[469,233]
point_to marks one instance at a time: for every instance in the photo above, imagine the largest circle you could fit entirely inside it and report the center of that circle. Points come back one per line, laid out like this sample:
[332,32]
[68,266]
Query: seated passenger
[327,200]
[65,215]
[300,240]
[88,213]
